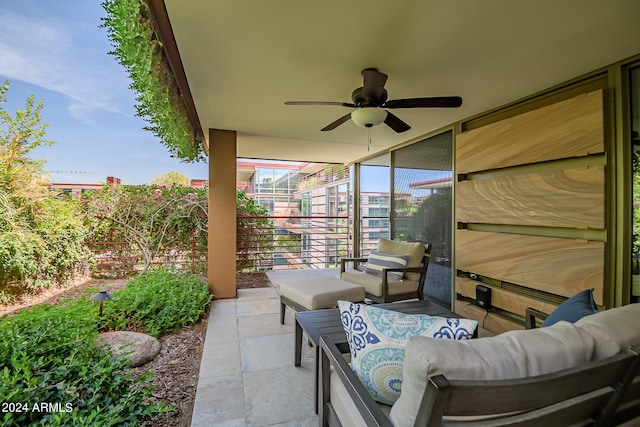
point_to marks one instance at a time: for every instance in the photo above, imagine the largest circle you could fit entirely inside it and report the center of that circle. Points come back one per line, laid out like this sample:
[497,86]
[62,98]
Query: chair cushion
[378,260]
[514,354]
[377,338]
[321,292]
[619,327]
[580,305]
[415,250]
[373,284]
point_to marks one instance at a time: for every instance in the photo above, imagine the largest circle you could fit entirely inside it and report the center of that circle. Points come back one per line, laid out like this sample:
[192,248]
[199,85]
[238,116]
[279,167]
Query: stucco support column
[222,213]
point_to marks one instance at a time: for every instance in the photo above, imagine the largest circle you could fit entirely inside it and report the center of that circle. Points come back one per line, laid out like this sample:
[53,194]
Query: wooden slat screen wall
[570,128]
[554,265]
[571,198]
[544,169]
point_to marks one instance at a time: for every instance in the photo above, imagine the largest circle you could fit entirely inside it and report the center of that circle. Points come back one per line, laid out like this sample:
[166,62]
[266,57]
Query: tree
[22,178]
[150,219]
[41,239]
[171,178]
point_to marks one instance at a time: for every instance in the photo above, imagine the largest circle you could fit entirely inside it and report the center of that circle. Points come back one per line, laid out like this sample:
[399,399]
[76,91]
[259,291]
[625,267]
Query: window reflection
[422,206]
[634,79]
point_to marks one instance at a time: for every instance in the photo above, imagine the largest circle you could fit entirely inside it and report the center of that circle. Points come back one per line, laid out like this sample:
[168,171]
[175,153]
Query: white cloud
[58,56]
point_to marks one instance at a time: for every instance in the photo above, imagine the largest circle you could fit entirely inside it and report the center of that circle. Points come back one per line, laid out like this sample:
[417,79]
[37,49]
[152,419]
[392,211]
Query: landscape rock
[137,347]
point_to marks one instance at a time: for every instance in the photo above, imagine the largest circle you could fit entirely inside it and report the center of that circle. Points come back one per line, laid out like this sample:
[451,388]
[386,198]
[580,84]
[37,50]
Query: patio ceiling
[244,59]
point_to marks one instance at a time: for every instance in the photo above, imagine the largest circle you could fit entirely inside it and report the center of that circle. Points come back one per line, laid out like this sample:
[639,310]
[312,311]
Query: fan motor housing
[358,99]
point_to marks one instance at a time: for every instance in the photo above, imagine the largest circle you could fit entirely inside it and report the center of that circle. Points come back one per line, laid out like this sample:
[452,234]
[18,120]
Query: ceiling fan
[371,103]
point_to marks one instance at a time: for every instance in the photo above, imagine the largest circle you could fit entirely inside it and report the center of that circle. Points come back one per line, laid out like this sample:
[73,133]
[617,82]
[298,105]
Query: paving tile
[219,401]
[276,396]
[262,325]
[241,422]
[258,293]
[247,376]
[220,357]
[252,307]
[225,307]
[223,327]
[266,352]
[308,422]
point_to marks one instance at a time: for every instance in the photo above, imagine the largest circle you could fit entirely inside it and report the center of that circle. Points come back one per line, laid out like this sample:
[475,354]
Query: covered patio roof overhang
[238,62]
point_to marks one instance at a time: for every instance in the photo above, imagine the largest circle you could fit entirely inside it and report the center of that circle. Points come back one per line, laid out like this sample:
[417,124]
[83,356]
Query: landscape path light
[102,296]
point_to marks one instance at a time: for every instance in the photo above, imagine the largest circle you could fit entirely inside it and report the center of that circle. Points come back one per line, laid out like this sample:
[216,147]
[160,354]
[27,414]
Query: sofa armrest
[355,261]
[531,314]
[331,357]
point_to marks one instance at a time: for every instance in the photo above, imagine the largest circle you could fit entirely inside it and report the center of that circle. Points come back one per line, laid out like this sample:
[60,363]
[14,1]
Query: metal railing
[263,243]
[292,242]
[119,259]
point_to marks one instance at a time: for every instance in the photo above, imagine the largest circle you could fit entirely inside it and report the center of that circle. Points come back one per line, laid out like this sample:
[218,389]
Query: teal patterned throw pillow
[377,338]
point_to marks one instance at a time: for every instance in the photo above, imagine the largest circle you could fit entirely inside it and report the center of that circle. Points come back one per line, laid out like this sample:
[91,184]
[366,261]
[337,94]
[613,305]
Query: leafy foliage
[129,26]
[171,178]
[20,176]
[255,240]
[157,302]
[152,219]
[41,239]
[149,218]
[47,354]
[635,162]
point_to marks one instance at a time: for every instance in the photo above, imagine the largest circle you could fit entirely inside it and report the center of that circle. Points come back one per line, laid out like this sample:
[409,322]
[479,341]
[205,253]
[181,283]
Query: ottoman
[317,293]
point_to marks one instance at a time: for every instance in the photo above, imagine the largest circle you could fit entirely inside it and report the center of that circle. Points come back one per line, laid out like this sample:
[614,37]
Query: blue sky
[56,51]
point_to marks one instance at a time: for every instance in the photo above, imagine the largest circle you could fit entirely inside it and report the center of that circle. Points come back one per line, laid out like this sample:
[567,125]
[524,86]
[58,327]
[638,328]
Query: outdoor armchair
[379,282]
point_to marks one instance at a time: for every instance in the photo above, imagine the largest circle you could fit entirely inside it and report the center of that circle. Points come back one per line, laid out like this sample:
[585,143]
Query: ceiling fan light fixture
[369,116]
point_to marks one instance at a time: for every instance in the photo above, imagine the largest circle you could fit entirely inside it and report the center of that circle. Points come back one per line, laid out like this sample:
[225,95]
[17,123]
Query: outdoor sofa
[587,372]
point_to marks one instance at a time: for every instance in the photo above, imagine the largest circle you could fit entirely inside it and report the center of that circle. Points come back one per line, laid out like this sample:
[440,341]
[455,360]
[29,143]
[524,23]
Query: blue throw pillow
[378,260]
[575,308]
[377,338]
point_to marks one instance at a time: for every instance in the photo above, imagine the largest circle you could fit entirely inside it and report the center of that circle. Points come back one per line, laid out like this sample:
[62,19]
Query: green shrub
[49,250]
[156,302]
[47,357]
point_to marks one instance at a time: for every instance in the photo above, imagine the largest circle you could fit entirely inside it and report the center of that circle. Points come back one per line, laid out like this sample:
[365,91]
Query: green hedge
[52,374]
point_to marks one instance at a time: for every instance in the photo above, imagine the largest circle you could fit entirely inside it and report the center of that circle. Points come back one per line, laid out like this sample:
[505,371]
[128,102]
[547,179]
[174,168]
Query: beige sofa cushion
[373,283]
[619,327]
[514,354]
[415,250]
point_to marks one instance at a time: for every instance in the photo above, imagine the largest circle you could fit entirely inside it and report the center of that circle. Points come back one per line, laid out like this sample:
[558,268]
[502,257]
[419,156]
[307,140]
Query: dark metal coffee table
[327,322]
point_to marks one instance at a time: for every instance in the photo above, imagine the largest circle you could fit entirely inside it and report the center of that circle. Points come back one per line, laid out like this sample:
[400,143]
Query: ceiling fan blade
[332,126]
[395,123]
[433,102]
[340,104]
[373,87]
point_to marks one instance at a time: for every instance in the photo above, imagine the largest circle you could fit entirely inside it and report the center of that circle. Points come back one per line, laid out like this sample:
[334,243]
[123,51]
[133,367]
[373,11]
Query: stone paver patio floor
[247,376]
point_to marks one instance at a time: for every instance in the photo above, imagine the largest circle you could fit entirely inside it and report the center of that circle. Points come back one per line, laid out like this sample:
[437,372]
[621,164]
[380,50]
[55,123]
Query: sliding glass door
[422,205]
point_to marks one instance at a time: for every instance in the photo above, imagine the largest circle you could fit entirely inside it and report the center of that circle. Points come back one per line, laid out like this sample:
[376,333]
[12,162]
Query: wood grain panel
[503,299]
[558,266]
[572,198]
[491,322]
[570,128]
